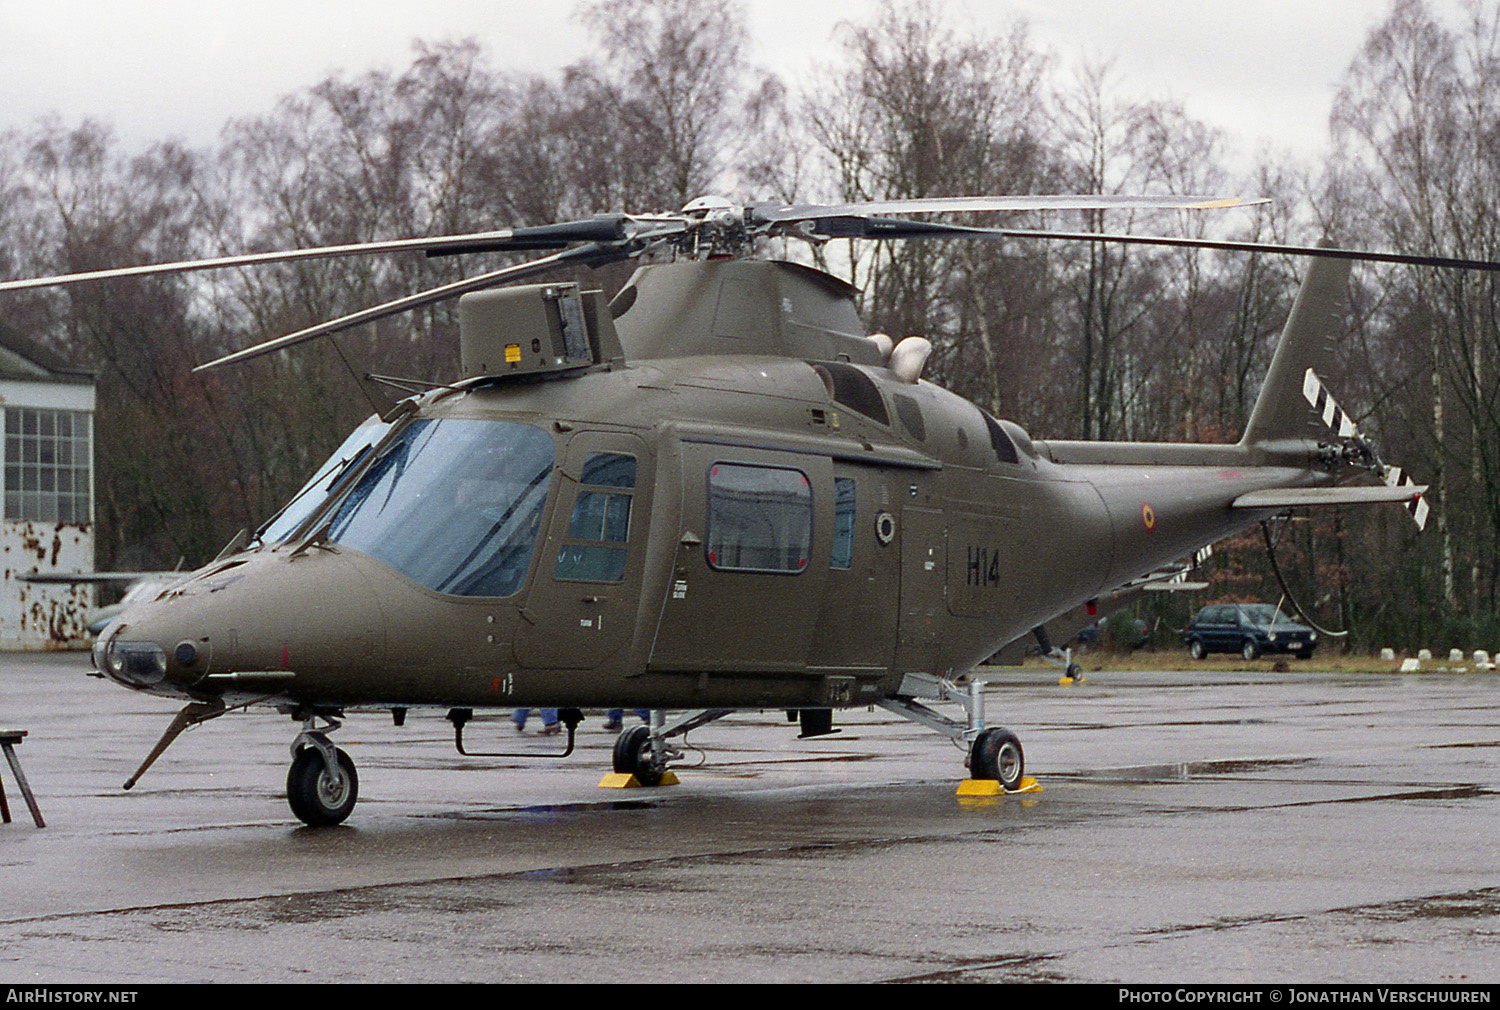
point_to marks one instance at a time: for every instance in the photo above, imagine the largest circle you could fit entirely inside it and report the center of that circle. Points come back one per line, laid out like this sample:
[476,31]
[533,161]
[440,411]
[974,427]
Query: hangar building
[46,495]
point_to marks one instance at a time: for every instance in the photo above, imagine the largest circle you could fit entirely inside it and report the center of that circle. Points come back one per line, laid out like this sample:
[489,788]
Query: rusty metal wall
[35,617]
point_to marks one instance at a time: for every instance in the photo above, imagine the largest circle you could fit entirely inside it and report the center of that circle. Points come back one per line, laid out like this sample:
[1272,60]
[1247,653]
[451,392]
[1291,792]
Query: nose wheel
[321,785]
[320,797]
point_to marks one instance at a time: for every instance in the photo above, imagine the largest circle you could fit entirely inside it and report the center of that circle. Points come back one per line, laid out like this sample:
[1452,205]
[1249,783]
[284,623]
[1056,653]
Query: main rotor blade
[592,255]
[606,228]
[600,228]
[1327,252]
[857,226]
[773,213]
[885,228]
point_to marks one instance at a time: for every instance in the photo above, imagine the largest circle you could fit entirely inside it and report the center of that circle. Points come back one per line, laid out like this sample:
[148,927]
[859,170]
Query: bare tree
[673,72]
[1418,118]
[921,109]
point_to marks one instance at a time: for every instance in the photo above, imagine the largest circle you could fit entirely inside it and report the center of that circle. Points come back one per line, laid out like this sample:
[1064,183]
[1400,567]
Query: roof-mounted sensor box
[534,329]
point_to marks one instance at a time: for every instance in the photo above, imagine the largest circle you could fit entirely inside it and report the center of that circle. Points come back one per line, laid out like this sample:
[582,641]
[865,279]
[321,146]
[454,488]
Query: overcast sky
[1265,71]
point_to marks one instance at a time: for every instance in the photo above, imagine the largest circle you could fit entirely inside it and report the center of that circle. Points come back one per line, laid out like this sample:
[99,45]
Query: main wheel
[316,797]
[635,756]
[1250,650]
[996,754]
[1196,649]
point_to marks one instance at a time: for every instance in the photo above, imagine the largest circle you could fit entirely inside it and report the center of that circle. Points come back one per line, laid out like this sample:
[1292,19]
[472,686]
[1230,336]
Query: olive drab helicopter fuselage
[717,492]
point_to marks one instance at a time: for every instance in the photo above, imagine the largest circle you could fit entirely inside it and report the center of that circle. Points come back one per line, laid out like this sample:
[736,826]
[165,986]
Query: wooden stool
[8,740]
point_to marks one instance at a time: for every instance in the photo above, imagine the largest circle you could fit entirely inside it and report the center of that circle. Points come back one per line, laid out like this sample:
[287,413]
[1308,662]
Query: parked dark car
[1249,629]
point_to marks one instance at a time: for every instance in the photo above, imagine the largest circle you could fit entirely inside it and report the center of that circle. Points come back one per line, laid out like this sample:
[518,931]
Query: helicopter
[714,492]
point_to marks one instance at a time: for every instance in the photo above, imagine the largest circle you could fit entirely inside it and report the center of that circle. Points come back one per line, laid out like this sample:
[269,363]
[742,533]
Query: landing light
[137,664]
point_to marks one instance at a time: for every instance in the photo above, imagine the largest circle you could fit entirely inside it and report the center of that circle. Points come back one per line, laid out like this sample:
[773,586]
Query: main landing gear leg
[993,753]
[321,786]
[1072,672]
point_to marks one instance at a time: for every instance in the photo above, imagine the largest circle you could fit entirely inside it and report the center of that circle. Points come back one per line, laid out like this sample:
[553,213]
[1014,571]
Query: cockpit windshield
[284,523]
[454,505]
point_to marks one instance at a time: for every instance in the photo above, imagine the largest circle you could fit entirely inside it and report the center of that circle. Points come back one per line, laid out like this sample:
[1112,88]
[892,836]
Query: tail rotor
[1357,449]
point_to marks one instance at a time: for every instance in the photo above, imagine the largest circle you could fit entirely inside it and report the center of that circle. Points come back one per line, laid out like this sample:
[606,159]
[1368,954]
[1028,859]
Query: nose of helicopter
[270,616]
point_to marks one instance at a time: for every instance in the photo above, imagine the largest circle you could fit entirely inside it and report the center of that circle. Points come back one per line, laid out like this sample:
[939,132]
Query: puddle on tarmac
[543,810]
[1460,792]
[1184,771]
[1478,904]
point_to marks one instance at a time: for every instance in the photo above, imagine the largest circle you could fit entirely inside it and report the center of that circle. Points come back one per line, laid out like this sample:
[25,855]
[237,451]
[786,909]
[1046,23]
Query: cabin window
[453,505]
[843,522]
[47,455]
[759,518]
[594,550]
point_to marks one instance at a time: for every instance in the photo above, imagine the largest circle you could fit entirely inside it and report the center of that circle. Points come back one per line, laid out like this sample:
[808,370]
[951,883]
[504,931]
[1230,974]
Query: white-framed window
[47,464]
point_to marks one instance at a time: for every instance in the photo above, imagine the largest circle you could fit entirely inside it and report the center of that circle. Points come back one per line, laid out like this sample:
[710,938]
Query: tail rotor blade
[1417,508]
[1332,414]
[1338,421]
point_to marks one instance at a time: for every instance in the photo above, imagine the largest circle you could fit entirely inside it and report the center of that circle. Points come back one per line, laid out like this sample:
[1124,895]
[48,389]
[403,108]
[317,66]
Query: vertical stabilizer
[1281,411]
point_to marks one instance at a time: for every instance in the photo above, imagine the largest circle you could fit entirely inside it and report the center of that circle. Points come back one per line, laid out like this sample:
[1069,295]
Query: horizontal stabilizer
[1292,497]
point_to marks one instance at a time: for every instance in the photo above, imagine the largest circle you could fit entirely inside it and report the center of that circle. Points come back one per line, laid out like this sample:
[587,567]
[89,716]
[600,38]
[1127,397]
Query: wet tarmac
[1289,827]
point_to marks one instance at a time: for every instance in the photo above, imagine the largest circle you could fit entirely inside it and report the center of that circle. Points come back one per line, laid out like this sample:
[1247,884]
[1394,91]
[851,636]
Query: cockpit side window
[594,550]
[454,505]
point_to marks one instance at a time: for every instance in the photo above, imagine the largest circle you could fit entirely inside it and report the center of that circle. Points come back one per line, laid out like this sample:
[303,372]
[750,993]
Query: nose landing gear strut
[321,786]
